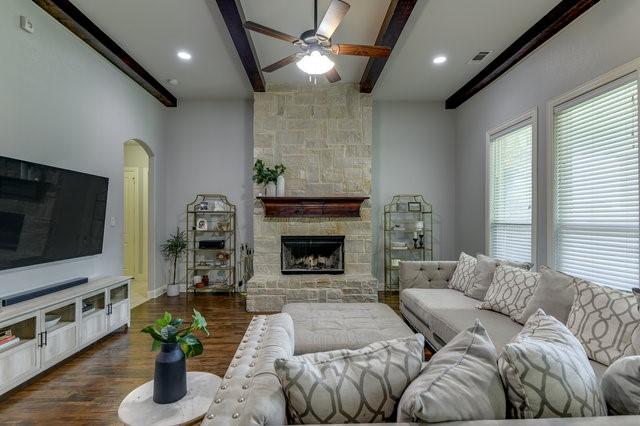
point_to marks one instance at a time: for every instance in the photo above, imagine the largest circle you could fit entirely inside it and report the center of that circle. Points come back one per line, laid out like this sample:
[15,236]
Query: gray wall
[602,39]
[64,105]
[209,150]
[413,152]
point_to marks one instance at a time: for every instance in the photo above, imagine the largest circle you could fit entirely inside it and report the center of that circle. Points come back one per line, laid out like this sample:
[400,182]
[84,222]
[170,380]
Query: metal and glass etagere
[408,234]
[211,244]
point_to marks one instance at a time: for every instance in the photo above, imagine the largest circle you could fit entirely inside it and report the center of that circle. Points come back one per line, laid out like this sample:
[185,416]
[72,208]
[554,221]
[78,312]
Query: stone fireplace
[322,134]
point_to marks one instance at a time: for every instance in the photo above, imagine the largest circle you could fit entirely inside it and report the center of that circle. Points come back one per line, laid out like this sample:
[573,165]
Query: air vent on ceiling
[479,57]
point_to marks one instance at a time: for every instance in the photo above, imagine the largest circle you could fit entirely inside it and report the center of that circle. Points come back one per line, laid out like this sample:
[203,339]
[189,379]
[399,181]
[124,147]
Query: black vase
[170,379]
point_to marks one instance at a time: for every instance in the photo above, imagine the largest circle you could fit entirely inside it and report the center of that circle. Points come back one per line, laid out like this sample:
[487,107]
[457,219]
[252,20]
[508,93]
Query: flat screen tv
[49,214]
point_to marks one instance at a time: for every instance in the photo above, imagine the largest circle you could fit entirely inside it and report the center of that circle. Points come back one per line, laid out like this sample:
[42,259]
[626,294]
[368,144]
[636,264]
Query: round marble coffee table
[138,407]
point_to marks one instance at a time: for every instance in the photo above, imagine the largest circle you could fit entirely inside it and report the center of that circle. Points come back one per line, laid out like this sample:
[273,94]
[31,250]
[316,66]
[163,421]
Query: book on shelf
[14,340]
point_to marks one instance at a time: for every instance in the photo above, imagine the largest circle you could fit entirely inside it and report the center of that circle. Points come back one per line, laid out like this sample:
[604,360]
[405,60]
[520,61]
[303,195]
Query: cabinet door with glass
[59,335]
[93,316]
[20,349]
[119,306]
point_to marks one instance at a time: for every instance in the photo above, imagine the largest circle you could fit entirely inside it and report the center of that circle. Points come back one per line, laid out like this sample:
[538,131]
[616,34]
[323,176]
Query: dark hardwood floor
[87,388]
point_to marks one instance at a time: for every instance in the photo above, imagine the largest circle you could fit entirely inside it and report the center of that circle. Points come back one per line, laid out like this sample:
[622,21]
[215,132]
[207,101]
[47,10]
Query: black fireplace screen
[312,254]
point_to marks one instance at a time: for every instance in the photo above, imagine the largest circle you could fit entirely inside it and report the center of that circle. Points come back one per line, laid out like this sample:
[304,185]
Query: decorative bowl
[50,320]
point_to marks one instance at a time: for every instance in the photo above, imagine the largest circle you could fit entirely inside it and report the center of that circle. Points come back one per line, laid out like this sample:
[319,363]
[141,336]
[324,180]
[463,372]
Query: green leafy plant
[173,330]
[263,175]
[173,248]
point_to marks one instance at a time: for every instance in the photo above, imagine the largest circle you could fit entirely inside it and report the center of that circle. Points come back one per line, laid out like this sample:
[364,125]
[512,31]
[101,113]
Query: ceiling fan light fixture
[315,63]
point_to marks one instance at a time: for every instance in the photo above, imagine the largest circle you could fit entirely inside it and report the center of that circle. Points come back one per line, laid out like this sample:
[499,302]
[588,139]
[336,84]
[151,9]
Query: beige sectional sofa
[439,313]
[250,393]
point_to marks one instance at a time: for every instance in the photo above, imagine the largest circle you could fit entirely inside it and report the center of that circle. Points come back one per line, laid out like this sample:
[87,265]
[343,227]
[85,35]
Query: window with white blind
[595,205]
[510,186]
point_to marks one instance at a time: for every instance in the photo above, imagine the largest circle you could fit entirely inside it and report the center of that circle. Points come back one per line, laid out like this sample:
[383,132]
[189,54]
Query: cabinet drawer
[18,362]
[93,327]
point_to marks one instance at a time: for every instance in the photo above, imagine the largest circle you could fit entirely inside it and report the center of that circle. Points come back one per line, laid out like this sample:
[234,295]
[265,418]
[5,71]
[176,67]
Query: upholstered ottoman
[320,327]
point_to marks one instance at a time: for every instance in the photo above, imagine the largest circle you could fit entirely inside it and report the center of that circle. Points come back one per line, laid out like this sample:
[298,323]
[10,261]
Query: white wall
[209,150]
[413,152]
[605,37]
[63,105]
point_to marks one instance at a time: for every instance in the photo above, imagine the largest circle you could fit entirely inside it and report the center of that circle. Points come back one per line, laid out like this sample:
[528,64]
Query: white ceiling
[152,31]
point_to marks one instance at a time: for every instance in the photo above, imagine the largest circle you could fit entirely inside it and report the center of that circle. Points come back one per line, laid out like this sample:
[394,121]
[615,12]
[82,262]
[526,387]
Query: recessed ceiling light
[439,60]
[184,55]
[172,81]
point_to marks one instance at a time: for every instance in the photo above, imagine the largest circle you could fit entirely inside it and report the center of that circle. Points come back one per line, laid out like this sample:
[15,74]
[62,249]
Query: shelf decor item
[176,342]
[269,177]
[408,234]
[173,249]
[211,251]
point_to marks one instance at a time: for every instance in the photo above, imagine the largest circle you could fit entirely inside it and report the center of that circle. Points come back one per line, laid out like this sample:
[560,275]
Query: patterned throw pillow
[604,320]
[547,374]
[350,386]
[464,275]
[483,276]
[510,290]
[460,382]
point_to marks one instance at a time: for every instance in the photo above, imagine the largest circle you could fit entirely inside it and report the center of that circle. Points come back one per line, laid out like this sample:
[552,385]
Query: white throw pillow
[350,386]
[464,275]
[483,275]
[604,320]
[460,382]
[510,290]
[547,373]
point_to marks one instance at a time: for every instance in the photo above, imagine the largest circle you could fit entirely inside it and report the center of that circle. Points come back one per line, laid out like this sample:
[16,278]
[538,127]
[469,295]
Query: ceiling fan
[316,44]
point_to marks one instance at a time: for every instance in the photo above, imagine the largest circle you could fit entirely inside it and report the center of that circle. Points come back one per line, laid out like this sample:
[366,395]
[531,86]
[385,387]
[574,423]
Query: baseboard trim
[156,292]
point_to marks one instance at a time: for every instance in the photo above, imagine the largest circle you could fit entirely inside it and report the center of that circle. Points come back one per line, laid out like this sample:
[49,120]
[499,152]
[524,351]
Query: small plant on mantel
[263,175]
[176,341]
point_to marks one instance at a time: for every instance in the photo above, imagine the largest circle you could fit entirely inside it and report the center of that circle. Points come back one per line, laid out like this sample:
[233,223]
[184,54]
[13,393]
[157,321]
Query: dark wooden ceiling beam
[234,19]
[553,22]
[396,18]
[79,24]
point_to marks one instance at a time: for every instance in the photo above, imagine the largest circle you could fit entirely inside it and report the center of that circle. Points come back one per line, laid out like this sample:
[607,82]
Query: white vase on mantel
[280,186]
[270,190]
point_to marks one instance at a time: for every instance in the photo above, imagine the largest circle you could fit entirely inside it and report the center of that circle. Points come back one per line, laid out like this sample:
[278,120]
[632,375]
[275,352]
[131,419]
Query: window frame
[532,116]
[592,87]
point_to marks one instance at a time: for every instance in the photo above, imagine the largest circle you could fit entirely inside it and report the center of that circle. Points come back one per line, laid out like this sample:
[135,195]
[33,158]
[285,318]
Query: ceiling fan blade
[333,17]
[361,50]
[270,32]
[332,75]
[281,63]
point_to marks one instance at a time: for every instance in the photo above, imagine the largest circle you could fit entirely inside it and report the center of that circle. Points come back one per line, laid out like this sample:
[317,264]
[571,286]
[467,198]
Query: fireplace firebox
[318,254]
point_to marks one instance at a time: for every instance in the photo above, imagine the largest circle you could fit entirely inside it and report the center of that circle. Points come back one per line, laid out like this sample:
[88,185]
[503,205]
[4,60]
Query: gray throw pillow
[460,382]
[604,320]
[510,290]
[464,274]
[547,373]
[483,274]
[350,386]
[621,386]
[554,294]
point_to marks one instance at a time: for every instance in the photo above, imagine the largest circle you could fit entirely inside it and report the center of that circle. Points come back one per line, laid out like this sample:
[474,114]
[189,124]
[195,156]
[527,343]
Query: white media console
[106,303]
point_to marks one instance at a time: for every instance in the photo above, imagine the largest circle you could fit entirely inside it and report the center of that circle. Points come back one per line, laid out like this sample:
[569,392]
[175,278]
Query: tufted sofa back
[426,274]
[250,392]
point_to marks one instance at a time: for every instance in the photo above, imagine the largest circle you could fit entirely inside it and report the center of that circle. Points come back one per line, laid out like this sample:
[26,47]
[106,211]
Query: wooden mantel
[312,206]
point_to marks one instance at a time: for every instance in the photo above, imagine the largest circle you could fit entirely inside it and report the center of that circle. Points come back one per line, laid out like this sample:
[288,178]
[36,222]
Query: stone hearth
[322,134]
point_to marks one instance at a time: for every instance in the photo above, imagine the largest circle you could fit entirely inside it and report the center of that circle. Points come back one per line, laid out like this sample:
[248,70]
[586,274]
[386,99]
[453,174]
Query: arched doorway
[138,226]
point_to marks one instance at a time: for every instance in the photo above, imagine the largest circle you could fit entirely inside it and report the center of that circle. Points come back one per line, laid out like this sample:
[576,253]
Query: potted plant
[267,176]
[176,342]
[173,249]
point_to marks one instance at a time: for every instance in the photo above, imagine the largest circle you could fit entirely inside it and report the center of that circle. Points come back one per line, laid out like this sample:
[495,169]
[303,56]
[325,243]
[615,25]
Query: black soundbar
[32,294]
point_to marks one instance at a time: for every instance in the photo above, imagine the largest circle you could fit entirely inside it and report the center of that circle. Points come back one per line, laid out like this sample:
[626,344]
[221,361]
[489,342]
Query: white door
[130,220]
